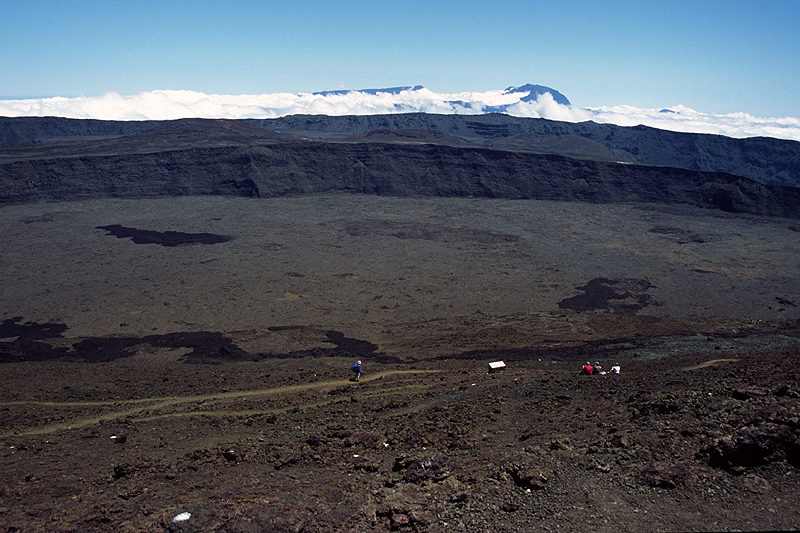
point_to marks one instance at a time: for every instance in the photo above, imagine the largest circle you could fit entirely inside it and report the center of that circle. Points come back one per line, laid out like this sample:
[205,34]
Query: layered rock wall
[280,169]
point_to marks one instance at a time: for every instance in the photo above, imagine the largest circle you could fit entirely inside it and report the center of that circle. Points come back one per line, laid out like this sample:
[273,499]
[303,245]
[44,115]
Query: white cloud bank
[165,105]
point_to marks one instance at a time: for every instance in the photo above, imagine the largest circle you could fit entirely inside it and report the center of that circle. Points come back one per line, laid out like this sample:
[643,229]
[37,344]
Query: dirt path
[155,404]
[709,363]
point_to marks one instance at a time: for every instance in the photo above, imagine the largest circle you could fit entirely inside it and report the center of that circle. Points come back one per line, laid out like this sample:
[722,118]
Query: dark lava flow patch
[11,327]
[344,347]
[621,296]
[164,238]
[354,346]
[206,348]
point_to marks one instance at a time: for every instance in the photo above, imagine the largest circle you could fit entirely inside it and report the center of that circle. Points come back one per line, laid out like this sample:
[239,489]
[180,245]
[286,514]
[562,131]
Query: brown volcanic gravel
[192,355]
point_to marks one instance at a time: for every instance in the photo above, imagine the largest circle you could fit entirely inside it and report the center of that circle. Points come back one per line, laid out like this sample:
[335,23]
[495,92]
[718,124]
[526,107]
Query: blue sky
[716,57]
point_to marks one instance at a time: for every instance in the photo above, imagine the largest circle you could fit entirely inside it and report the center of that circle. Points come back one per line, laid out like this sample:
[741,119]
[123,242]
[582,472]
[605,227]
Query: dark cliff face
[25,130]
[270,169]
[771,161]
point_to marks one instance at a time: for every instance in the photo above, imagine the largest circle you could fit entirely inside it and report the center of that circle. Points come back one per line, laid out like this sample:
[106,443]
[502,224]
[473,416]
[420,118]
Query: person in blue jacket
[357,370]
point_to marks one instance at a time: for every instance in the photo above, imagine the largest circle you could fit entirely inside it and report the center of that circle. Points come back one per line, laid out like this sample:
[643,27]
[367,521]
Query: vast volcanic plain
[192,355]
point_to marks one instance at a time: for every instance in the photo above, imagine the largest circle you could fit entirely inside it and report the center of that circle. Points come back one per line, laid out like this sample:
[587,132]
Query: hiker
[597,368]
[615,368]
[357,370]
[587,369]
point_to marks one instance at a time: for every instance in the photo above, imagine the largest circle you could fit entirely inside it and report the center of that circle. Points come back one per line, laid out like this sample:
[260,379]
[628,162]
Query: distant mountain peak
[534,91]
[527,93]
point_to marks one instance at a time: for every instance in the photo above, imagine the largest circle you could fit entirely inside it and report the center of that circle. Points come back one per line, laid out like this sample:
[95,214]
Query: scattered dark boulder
[781,391]
[747,393]
[621,441]
[528,476]
[360,462]
[666,407]
[560,443]
[752,447]
[316,440]
[756,484]
[364,440]
[670,475]
[428,469]
[510,507]
[131,466]
[398,520]
[406,508]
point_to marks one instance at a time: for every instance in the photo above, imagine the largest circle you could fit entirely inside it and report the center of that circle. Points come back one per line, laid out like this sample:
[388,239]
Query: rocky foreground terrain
[189,358]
